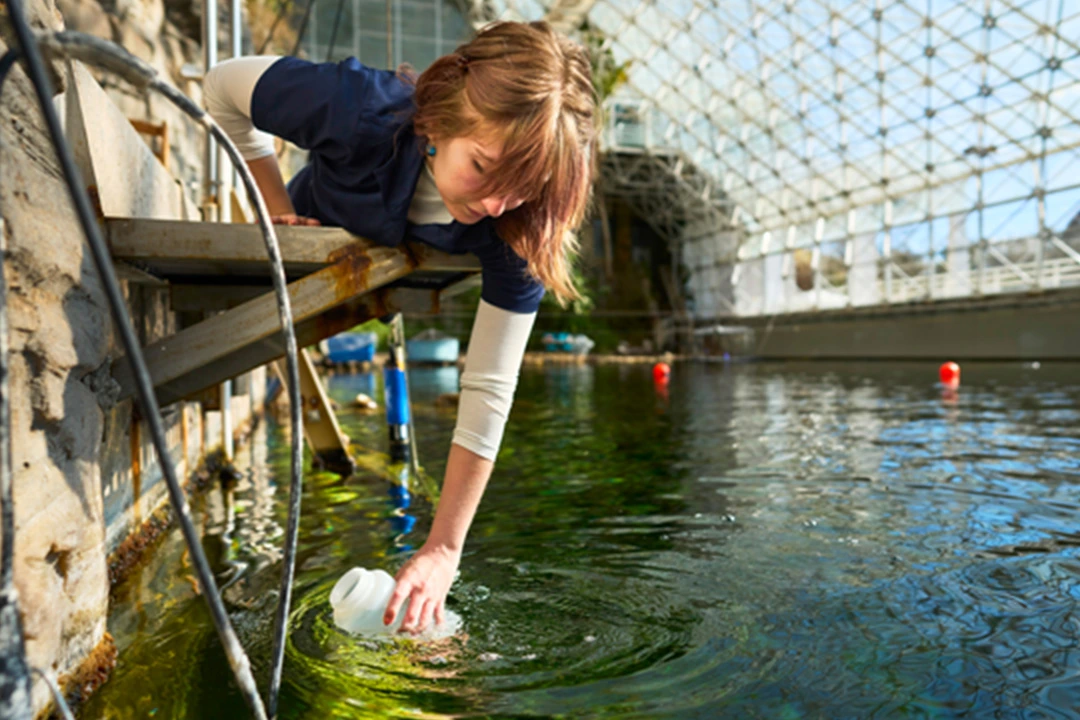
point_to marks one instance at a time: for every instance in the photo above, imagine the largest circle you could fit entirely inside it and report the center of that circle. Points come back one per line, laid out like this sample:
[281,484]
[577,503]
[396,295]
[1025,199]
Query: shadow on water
[773,541]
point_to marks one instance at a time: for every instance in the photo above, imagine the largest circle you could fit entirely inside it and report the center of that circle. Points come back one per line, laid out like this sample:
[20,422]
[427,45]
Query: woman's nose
[494,206]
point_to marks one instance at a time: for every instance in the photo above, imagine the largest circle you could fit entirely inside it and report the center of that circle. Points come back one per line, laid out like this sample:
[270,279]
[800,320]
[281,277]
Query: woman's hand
[424,580]
[293,219]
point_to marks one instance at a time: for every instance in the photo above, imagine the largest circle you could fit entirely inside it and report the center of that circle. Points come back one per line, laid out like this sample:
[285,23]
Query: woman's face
[459,166]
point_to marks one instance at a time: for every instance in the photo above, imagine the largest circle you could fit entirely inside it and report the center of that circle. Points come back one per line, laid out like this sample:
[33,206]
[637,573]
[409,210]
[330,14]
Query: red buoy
[949,373]
[661,371]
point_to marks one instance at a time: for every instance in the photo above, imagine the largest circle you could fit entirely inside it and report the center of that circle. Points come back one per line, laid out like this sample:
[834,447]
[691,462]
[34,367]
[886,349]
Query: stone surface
[72,442]
[59,334]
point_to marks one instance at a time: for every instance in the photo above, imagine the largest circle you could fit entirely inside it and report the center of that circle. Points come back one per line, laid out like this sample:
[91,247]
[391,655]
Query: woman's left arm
[425,580]
[492,364]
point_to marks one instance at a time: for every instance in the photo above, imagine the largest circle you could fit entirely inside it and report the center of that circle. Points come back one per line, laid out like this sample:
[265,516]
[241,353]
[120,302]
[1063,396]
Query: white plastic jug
[359,600]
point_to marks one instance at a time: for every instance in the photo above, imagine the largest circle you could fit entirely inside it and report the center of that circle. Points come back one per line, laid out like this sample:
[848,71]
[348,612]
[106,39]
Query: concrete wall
[1023,327]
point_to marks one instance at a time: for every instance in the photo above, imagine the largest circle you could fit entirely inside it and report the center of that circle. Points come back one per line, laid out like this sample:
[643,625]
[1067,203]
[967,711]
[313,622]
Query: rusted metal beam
[191,249]
[215,298]
[249,335]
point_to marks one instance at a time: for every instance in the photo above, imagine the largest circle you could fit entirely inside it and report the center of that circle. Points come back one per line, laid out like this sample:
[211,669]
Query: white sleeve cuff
[496,348]
[227,91]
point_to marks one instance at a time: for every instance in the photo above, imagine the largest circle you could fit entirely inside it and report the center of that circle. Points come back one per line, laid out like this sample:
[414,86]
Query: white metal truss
[894,149]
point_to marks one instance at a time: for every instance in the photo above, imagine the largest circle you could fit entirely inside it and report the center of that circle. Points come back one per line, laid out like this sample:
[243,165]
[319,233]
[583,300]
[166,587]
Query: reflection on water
[773,541]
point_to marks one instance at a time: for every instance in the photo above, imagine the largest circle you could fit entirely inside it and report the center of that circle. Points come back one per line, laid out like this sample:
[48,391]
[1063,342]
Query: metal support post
[210,158]
[226,419]
[398,411]
[397,396]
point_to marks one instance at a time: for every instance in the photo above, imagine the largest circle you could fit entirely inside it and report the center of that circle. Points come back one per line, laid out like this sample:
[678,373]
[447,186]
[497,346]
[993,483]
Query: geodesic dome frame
[898,150]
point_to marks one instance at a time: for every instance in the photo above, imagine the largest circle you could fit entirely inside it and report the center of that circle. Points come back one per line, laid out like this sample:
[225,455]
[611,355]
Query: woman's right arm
[227,91]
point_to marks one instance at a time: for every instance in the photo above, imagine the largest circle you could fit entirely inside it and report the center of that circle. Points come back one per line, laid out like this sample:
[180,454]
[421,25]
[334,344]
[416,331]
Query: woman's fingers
[412,616]
[294,220]
[439,616]
[396,598]
[425,616]
[416,623]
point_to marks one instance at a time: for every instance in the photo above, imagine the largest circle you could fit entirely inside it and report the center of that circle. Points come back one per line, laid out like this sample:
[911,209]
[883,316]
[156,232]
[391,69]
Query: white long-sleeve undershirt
[498,340]
[227,91]
[490,378]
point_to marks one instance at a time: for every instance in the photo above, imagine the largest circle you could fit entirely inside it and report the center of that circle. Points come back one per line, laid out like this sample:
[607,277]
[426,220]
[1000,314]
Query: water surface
[760,541]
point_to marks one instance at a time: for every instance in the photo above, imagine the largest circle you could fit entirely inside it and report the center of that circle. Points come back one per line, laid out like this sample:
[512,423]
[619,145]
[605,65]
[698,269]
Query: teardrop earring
[431,151]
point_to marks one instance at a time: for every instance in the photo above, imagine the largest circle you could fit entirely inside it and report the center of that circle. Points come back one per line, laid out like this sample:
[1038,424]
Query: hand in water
[424,580]
[293,219]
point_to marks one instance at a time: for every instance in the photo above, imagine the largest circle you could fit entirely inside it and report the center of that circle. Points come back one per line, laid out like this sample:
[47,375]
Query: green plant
[582,305]
[381,330]
[607,75]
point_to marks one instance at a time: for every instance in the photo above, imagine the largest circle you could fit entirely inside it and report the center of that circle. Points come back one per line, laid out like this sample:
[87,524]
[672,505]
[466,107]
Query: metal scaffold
[806,155]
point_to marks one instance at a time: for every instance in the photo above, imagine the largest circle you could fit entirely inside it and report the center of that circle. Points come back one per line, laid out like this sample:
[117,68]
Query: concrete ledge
[1033,326]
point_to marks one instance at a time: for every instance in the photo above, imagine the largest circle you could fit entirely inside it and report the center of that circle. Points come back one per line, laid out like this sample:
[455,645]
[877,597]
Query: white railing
[1008,278]
[763,287]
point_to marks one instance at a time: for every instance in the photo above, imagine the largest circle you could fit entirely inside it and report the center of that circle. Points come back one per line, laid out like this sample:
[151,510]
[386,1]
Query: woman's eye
[477,166]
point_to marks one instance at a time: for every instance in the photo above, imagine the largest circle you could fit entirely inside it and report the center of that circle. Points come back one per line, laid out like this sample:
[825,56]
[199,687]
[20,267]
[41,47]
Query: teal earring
[431,151]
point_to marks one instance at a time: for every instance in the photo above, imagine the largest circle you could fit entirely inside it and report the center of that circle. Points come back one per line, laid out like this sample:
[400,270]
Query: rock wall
[60,339]
[167,40]
[66,426]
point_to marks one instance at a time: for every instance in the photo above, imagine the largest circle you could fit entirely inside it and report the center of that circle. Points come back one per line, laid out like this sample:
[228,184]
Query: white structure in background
[888,151]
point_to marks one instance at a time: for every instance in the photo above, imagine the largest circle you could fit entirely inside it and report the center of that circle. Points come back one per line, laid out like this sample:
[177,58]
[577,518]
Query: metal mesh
[884,150]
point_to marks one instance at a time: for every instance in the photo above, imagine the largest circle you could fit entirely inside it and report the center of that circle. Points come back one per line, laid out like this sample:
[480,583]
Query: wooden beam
[249,335]
[321,428]
[198,248]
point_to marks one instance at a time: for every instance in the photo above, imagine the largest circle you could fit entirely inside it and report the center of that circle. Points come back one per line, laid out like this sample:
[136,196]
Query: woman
[491,150]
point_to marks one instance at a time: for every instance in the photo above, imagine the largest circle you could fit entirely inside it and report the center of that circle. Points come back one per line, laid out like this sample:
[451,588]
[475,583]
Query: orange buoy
[949,373]
[661,371]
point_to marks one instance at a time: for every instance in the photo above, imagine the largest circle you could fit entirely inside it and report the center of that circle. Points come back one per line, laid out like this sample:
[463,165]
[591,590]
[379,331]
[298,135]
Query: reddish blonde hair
[531,87]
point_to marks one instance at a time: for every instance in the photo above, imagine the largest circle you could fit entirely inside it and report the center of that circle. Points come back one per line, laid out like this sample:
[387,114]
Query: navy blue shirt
[365,162]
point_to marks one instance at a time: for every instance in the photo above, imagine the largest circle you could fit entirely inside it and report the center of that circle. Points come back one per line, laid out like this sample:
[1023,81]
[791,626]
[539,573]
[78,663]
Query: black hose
[58,697]
[35,67]
[273,27]
[303,27]
[333,32]
[98,52]
[6,63]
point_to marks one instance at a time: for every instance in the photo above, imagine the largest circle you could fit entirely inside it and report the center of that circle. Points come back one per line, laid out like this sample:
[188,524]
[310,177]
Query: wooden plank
[134,275]
[198,248]
[321,428]
[125,176]
[309,332]
[256,319]
[179,365]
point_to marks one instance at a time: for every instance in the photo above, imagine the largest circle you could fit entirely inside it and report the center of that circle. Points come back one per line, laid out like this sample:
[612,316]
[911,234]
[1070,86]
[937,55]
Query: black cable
[35,68]
[103,53]
[58,697]
[273,26]
[303,27]
[6,63]
[333,33]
